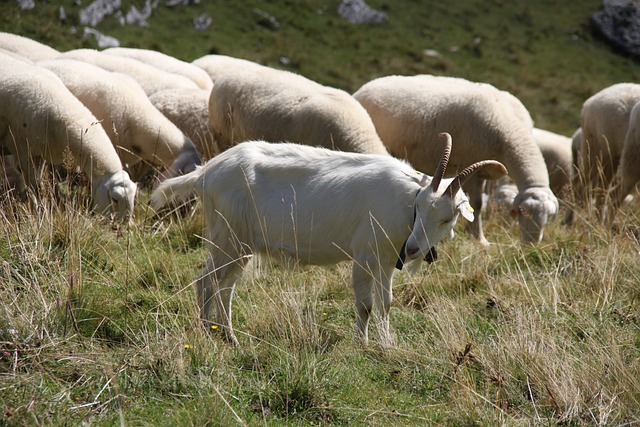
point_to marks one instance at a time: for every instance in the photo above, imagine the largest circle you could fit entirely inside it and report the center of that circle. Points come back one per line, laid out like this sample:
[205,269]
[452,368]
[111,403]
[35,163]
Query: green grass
[544,53]
[503,334]
[98,324]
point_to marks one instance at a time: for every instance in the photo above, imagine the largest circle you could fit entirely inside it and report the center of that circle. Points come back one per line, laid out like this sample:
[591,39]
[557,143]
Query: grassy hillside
[543,52]
[98,323]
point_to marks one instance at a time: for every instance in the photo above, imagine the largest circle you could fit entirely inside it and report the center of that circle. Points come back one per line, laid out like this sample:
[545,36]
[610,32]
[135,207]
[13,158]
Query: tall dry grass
[98,325]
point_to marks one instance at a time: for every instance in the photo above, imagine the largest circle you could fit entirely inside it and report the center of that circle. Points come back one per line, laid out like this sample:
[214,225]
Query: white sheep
[136,128]
[41,119]
[556,150]
[10,177]
[274,105]
[628,174]
[189,110]
[152,79]
[219,65]
[166,63]
[311,205]
[15,55]
[576,142]
[605,120]
[26,47]
[408,111]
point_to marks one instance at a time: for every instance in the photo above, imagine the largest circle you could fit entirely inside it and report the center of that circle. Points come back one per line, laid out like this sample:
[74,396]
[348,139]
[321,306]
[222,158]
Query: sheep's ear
[466,211]
[419,177]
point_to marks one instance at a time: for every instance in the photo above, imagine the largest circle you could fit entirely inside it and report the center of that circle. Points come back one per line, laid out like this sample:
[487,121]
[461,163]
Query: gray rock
[202,22]
[93,14]
[26,4]
[618,22]
[140,17]
[358,12]
[103,41]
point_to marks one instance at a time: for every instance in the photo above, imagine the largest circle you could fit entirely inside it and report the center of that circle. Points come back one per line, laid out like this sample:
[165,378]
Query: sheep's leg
[362,282]
[579,193]
[27,186]
[216,284]
[626,180]
[607,170]
[474,188]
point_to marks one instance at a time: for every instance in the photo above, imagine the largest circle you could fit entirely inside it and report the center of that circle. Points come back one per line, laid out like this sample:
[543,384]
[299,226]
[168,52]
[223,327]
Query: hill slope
[544,52]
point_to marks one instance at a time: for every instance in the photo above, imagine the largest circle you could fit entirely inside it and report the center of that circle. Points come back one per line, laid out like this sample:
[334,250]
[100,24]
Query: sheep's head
[533,207]
[440,202]
[114,195]
[184,163]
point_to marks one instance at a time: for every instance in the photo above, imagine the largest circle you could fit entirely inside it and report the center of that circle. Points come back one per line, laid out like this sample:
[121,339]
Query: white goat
[605,121]
[317,206]
[139,132]
[408,111]
[41,119]
[275,105]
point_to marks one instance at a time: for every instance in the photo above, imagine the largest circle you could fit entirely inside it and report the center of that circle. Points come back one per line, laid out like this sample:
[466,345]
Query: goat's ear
[466,211]
[419,177]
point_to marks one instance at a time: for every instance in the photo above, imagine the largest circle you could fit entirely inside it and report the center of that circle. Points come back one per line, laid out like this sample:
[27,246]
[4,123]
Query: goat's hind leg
[216,284]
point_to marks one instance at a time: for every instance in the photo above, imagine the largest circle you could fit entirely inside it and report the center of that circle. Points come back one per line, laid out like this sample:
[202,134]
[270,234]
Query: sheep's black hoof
[432,255]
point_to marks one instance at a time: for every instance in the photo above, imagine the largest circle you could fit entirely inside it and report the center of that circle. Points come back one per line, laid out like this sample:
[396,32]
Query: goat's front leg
[384,298]
[362,283]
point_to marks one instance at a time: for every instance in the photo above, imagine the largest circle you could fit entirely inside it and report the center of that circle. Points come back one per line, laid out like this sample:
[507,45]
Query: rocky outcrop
[618,22]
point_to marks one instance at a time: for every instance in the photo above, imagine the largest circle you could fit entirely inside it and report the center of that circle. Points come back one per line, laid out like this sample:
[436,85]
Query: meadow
[98,322]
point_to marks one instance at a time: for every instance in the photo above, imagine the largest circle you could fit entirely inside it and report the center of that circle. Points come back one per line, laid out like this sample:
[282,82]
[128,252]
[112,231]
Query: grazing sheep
[502,194]
[219,65]
[274,105]
[605,119]
[409,111]
[312,205]
[10,177]
[189,110]
[166,63]
[576,141]
[15,55]
[628,174]
[136,128]
[41,119]
[26,47]
[557,152]
[151,79]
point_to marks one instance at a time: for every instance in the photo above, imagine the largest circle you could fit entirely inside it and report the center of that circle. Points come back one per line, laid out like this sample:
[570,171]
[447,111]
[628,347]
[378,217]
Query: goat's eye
[446,221]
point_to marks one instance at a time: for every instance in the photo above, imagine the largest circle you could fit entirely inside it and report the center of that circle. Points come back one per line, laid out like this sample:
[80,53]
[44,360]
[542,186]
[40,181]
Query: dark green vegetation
[98,325]
[541,51]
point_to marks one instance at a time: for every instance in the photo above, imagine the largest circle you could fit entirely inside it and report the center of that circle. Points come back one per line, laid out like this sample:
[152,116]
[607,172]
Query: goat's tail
[176,189]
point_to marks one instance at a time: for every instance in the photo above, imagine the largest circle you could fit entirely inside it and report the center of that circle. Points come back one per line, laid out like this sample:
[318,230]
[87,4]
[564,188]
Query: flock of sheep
[303,172]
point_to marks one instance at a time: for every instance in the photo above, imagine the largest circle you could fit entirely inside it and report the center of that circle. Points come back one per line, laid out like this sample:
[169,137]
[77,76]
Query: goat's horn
[460,179]
[444,160]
